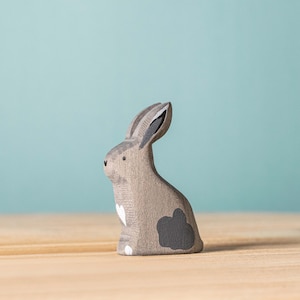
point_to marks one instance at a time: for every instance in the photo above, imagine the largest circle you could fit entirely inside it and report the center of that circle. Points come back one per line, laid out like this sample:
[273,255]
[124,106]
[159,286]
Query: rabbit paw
[128,250]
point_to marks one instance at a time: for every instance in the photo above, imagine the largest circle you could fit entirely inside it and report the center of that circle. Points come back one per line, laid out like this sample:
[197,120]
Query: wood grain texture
[246,256]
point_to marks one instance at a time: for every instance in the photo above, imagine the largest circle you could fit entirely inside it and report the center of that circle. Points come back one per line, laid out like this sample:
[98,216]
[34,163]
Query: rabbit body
[156,218]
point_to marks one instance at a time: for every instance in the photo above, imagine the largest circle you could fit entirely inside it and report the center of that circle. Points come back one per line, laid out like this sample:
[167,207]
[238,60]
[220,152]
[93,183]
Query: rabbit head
[147,127]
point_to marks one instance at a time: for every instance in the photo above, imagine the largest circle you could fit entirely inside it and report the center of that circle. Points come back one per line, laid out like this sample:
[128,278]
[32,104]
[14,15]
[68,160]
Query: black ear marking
[137,120]
[153,128]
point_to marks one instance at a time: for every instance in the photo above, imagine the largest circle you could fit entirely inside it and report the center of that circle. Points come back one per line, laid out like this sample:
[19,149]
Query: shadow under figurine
[156,218]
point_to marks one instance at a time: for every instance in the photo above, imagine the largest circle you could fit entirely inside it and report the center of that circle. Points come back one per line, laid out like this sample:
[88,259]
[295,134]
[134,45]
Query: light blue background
[74,73]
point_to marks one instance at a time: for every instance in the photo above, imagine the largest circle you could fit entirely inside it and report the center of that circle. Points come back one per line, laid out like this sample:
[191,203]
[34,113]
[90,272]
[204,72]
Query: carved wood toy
[156,218]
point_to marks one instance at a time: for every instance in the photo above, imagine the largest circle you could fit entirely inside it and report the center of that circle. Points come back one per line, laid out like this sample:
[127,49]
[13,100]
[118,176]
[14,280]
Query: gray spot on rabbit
[174,232]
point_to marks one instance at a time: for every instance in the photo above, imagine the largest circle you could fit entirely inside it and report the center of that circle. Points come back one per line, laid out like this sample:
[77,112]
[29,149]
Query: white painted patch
[121,213]
[159,113]
[128,250]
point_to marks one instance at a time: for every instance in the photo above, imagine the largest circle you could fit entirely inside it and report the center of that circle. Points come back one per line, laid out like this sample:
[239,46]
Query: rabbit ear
[158,125]
[137,120]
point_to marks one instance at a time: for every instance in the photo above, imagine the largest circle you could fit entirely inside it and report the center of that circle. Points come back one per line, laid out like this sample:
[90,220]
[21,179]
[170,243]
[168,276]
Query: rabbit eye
[124,157]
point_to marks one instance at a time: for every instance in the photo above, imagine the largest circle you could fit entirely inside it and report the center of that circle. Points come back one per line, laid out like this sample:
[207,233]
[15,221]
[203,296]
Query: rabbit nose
[105,163]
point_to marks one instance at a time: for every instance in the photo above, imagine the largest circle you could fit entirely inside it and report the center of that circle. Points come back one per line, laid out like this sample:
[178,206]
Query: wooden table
[246,256]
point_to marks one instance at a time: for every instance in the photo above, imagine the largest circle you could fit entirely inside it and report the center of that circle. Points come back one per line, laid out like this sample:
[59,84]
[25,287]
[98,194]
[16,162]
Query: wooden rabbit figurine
[155,217]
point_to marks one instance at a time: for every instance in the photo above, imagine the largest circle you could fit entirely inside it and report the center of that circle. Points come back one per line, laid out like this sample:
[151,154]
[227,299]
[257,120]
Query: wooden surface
[246,256]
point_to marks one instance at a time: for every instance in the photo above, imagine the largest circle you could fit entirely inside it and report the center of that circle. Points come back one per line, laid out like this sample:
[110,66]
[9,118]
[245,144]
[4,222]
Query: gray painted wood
[156,218]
